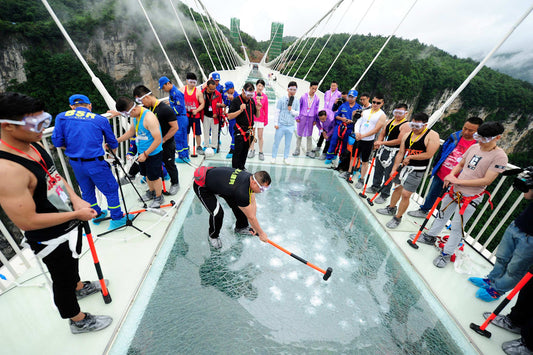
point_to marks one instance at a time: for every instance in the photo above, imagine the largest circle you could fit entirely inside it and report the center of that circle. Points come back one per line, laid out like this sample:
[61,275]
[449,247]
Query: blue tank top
[143,137]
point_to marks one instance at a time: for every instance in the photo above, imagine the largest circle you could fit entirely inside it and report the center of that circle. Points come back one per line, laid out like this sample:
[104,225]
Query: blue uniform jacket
[81,132]
[346,111]
[176,99]
[446,149]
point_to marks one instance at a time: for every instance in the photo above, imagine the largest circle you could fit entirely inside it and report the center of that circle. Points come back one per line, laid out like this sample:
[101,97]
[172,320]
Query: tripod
[129,222]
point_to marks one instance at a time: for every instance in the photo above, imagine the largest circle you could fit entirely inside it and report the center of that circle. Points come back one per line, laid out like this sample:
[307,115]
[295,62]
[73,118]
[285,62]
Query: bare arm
[200,98]
[379,125]
[128,134]
[173,129]
[486,180]
[432,145]
[250,213]
[404,129]
[399,157]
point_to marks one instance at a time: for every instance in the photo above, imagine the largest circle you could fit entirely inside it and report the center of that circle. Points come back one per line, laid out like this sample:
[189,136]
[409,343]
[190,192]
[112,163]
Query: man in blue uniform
[80,132]
[219,87]
[177,103]
[344,126]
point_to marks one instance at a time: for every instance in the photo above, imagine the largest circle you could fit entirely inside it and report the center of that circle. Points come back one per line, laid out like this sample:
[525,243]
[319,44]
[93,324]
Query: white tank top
[368,122]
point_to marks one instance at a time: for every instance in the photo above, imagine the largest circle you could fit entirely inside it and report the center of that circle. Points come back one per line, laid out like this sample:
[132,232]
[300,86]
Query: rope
[345,44]
[327,41]
[202,38]
[161,45]
[384,45]
[189,42]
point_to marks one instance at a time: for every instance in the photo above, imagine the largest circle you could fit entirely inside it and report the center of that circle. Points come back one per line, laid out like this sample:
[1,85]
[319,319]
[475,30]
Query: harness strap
[73,238]
[464,201]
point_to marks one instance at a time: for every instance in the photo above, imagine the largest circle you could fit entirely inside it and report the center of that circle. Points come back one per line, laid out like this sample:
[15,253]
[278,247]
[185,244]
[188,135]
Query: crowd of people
[360,135]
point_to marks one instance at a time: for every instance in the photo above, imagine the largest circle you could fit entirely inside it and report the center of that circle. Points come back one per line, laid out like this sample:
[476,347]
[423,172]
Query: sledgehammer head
[370,202]
[480,331]
[327,274]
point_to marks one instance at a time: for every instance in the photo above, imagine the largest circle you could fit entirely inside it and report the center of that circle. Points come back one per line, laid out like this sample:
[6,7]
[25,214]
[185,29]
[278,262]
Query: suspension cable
[327,41]
[346,43]
[202,38]
[211,40]
[189,42]
[384,45]
[438,114]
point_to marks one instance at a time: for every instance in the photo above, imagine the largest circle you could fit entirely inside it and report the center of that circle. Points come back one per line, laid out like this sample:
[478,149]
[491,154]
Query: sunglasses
[377,102]
[261,187]
[139,100]
[35,124]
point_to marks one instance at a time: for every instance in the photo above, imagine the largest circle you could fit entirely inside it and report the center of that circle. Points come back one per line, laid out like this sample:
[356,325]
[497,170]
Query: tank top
[191,101]
[45,202]
[392,131]
[417,147]
[144,138]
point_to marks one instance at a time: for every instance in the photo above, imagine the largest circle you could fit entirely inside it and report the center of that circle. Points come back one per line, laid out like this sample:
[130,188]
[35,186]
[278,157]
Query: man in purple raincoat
[325,125]
[309,103]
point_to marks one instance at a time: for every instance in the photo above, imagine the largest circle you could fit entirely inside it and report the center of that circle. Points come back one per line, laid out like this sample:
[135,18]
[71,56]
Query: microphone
[291,100]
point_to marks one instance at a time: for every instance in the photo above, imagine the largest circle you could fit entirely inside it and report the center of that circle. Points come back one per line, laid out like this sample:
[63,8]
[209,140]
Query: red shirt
[454,158]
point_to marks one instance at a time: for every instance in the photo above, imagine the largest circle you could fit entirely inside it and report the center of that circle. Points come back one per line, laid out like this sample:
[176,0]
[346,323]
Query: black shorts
[197,127]
[152,167]
[364,150]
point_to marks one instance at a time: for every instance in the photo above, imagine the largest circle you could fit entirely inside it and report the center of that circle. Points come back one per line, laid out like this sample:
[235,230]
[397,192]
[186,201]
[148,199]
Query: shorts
[364,150]
[152,167]
[197,128]
[259,124]
[410,180]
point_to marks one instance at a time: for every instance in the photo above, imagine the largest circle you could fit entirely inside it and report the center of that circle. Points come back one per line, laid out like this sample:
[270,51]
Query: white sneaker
[215,242]
[273,161]
[286,162]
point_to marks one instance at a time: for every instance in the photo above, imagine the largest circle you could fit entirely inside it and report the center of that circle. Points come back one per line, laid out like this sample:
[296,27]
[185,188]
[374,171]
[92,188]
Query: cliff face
[12,62]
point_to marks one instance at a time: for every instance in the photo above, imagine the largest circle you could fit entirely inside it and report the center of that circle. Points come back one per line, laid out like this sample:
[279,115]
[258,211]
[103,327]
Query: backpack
[200,175]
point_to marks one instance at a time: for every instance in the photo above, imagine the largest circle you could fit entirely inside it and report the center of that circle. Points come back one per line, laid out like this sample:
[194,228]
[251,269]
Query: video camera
[523,182]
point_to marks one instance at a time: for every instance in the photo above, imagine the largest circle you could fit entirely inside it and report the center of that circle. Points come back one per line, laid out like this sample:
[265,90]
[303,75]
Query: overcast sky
[466,28]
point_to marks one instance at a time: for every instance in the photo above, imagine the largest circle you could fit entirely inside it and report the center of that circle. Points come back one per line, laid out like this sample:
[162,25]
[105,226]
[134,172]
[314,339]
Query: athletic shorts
[364,150]
[409,181]
[259,124]
[197,128]
[152,167]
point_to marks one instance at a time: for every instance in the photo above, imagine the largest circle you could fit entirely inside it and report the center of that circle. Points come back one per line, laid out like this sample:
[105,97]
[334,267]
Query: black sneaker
[90,324]
[90,287]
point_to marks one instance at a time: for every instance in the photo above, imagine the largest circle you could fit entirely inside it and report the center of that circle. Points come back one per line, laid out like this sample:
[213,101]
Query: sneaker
[148,195]
[261,156]
[186,159]
[360,184]
[480,282]
[273,161]
[89,288]
[173,189]
[251,154]
[229,155]
[322,156]
[371,190]
[503,322]
[442,260]
[344,175]
[286,162]
[380,200]
[487,294]
[424,238]
[387,211]
[310,155]
[124,180]
[180,161]
[200,150]
[90,324]
[143,180]
[296,152]
[215,242]
[100,217]
[117,223]
[327,161]
[394,222]
[516,347]
[315,150]
[418,213]
[157,202]
[243,230]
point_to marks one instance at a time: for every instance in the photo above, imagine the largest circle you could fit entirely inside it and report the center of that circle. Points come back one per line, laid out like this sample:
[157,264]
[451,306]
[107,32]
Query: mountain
[116,40]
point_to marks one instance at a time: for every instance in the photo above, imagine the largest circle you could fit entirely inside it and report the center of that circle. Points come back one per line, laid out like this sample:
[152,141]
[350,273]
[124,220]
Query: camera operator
[515,251]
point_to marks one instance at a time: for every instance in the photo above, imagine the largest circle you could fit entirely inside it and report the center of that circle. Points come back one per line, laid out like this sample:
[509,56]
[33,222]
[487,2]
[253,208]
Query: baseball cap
[162,81]
[78,99]
[216,76]
[353,93]
[228,85]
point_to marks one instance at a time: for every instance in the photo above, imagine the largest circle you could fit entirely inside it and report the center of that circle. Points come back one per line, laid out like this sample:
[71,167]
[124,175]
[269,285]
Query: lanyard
[250,120]
[139,121]
[370,116]
[43,164]
[310,100]
[391,126]
[153,108]
[411,141]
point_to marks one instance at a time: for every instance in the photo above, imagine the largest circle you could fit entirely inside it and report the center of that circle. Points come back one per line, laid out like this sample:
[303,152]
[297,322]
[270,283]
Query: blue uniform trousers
[334,140]
[181,137]
[97,173]
[231,129]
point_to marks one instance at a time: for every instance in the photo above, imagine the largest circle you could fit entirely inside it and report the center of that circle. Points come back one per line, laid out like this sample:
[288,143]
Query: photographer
[515,251]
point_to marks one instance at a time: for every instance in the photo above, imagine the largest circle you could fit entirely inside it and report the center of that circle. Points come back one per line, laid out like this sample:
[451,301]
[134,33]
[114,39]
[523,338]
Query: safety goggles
[399,112]
[482,139]
[249,94]
[128,113]
[192,82]
[416,125]
[139,100]
[261,187]
[293,89]
[35,124]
